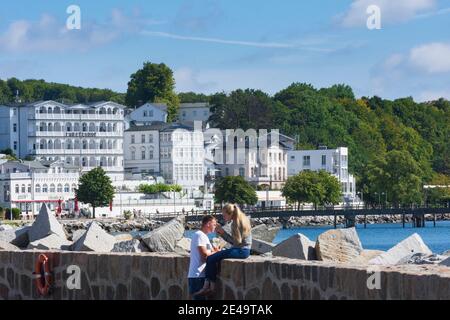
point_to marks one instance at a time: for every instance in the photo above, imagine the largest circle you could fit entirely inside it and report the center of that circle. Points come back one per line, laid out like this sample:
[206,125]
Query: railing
[68,116]
[63,134]
[77,152]
[290,211]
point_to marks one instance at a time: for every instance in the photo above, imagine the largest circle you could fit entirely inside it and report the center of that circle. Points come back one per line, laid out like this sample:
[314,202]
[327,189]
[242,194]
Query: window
[133,155]
[132,139]
[15,127]
[23,188]
[194,113]
[15,145]
[44,188]
[306,161]
[37,188]
[143,138]
[241,172]
[150,138]
[150,113]
[29,188]
[17,188]
[52,188]
[151,154]
[66,188]
[60,188]
[143,154]
[324,160]
[145,113]
[292,157]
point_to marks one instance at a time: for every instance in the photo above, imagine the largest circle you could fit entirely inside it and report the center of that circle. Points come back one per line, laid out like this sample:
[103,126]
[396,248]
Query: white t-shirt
[196,264]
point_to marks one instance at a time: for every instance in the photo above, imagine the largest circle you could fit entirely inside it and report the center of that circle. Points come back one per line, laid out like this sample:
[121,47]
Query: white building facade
[28,184]
[149,112]
[84,136]
[334,161]
[263,163]
[194,112]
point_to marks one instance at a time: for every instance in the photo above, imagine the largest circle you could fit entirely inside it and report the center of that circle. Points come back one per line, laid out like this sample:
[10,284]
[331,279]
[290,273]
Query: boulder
[4,227]
[338,245]
[17,237]
[265,233]
[421,258]
[165,238]
[261,247]
[132,245]
[45,225]
[183,245]
[366,256]
[95,239]
[6,246]
[51,242]
[296,247]
[123,237]
[445,262]
[77,234]
[411,245]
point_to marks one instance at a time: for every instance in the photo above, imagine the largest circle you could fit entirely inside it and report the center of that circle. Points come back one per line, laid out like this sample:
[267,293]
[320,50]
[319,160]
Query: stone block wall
[163,276]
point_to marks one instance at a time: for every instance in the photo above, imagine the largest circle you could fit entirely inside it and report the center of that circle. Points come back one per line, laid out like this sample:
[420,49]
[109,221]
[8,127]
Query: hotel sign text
[81,134]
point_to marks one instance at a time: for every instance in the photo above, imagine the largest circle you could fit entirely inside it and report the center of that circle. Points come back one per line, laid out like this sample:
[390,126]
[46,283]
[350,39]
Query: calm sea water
[380,236]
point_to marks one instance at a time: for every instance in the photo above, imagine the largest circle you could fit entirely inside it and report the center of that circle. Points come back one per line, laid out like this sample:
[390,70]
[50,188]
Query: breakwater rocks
[337,245]
[294,222]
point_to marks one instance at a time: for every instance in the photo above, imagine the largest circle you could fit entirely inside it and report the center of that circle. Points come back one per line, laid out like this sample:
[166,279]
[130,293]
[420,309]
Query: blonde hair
[241,226]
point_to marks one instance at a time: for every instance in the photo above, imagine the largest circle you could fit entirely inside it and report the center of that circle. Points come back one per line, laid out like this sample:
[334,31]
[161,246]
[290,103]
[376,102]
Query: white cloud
[431,58]
[392,11]
[187,80]
[217,40]
[50,34]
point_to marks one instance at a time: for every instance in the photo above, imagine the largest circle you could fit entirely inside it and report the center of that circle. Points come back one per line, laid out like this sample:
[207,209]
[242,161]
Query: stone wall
[163,276]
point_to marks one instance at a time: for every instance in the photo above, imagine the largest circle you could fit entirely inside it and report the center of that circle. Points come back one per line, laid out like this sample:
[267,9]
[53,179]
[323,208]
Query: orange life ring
[42,274]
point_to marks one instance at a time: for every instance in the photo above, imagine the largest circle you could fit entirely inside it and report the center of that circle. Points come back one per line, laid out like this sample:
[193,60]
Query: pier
[417,215]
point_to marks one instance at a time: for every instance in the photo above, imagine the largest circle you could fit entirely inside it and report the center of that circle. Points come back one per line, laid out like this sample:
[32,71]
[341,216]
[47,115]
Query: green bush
[127,214]
[159,188]
[2,213]
[15,214]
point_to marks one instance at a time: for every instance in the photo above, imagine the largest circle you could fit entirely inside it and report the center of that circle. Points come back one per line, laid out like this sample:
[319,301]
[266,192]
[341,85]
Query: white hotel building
[334,161]
[82,135]
[28,184]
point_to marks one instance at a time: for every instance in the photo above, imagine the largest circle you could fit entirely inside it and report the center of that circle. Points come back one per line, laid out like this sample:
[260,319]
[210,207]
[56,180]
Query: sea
[379,236]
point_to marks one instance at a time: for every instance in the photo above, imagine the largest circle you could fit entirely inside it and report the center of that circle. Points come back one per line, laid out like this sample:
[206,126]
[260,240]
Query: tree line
[395,146]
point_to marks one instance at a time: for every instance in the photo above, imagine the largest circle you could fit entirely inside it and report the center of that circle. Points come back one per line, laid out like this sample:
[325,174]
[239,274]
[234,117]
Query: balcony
[62,152]
[70,116]
[77,134]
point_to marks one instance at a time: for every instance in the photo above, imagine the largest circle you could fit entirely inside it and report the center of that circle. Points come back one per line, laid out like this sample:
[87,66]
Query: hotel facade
[82,135]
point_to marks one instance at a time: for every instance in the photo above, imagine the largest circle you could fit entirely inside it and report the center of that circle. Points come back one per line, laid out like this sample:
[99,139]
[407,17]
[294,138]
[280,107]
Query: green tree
[397,175]
[318,188]
[95,188]
[153,83]
[232,189]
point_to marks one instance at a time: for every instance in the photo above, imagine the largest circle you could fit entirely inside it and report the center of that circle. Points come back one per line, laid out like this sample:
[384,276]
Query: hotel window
[151,154]
[324,160]
[60,188]
[143,138]
[17,188]
[52,188]
[66,188]
[44,188]
[133,155]
[150,138]
[306,161]
[150,113]
[143,154]
[132,138]
[15,127]
[15,145]
[145,114]
[23,188]
[29,188]
[37,189]
[241,172]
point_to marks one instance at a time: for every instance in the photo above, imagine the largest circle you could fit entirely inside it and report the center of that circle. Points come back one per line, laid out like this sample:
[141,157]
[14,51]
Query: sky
[215,45]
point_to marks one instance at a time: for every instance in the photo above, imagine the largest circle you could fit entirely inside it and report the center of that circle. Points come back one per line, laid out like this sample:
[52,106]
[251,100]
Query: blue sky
[214,45]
